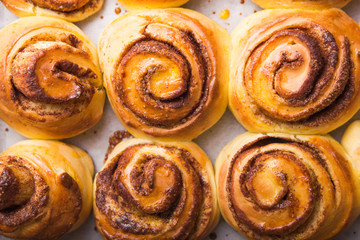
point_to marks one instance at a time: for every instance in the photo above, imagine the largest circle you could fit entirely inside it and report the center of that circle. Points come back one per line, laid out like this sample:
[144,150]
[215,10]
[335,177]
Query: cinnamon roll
[50,83]
[295,71]
[309,4]
[166,72]
[153,190]
[351,142]
[70,10]
[148,4]
[279,186]
[45,189]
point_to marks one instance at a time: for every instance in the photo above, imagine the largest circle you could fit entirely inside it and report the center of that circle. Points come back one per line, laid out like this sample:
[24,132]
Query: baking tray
[95,140]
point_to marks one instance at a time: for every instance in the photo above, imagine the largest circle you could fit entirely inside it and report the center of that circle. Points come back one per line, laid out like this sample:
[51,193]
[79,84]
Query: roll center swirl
[50,72]
[295,63]
[153,184]
[267,186]
[165,82]
[297,72]
[275,188]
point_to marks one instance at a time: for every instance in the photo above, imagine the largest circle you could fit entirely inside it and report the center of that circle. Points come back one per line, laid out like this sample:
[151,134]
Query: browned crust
[111,194]
[324,57]
[33,209]
[178,100]
[9,187]
[29,96]
[48,216]
[315,148]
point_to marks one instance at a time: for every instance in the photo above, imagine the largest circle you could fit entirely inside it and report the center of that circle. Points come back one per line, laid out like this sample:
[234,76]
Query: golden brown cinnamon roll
[279,186]
[309,4]
[45,189]
[153,190]
[70,10]
[148,4]
[50,83]
[166,72]
[295,71]
[351,142]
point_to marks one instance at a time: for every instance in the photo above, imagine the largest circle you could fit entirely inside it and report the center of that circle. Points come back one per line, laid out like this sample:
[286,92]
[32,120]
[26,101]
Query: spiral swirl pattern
[155,191]
[162,75]
[70,10]
[295,73]
[51,79]
[41,194]
[287,187]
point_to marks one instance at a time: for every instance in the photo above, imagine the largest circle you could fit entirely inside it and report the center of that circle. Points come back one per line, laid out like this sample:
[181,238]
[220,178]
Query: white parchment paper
[95,140]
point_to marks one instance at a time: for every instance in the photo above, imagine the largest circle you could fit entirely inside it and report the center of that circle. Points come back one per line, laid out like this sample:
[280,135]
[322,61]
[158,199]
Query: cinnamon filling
[31,189]
[151,189]
[273,187]
[163,78]
[52,79]
[26,201]
[298,74]
[16,186]
[61,5]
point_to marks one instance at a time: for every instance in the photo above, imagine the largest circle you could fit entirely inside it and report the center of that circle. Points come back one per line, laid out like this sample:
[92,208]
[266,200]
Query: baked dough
[50,83]
[46,189]
[279,186]
[166,72]
[156,190]
[70,10]
[295,71]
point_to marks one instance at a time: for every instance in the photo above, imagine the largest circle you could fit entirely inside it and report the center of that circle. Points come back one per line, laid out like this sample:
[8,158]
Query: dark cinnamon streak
[180,98]
[89,6]
[30,97]
[128,216]
[286,199]
[61,5]
[328,87]
[17,217]
[9,187]
[44,216]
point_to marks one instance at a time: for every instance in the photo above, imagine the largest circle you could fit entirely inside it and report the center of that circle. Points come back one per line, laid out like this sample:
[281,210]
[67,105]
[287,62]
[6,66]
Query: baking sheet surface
[95,140]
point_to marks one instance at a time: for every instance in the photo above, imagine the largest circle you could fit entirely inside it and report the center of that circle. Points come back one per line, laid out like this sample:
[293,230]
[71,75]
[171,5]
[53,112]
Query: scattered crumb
[95,132]
[242,1]
[215,13]
[227,24]
[117,10]
[255,10]
[213,236]
[84,133]
[225,14]
[6,129]
[240,14]
[117,4]
[96,230]
[101,17]
[115,139]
